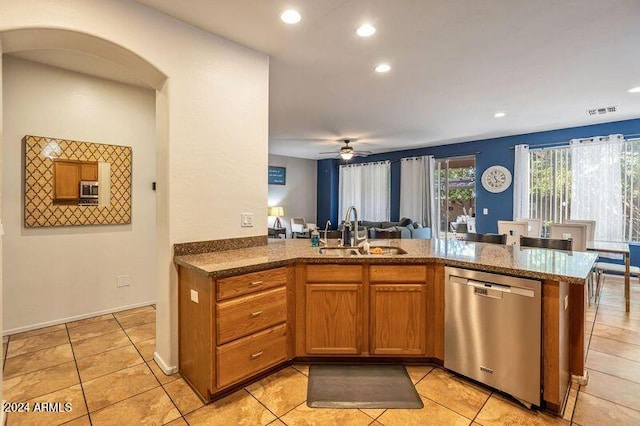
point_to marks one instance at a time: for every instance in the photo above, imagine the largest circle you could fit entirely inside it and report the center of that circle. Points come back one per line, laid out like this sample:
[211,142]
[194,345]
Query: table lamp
[277,212]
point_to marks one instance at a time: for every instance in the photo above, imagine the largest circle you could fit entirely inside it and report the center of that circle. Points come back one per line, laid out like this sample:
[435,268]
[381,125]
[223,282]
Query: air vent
[602,110]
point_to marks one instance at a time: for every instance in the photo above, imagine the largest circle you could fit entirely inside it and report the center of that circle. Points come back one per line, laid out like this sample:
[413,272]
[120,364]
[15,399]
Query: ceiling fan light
[346,155]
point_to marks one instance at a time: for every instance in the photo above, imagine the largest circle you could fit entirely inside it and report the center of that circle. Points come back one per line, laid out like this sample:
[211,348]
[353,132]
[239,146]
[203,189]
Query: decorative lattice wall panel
[39,207]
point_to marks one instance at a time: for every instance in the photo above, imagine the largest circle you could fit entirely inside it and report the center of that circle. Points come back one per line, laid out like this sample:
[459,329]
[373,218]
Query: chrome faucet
[325,241]
[346,232]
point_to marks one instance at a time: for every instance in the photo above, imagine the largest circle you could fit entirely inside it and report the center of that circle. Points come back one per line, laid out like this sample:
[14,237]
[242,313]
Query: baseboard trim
[166,369]
[75,318]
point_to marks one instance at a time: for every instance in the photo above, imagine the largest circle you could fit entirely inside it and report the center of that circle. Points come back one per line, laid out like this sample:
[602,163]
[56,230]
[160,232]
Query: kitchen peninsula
[244,313]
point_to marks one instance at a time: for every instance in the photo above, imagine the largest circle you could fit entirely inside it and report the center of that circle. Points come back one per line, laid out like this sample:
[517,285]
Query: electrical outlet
[246,220]
[485,211]
[194,296]
[122,281]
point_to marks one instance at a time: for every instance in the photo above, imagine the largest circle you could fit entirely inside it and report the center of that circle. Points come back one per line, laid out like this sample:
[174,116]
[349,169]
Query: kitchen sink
[379,250]
[340,251]
[355,251]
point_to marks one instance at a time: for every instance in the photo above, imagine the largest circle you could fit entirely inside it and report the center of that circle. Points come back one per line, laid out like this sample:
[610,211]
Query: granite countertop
[572,267]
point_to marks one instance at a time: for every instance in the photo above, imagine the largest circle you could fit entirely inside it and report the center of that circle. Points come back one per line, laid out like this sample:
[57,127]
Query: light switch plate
[194,296]
[485,211]
[246,220]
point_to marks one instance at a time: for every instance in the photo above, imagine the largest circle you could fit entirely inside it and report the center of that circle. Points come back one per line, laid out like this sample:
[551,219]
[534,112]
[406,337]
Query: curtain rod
[439,158]
[632,136]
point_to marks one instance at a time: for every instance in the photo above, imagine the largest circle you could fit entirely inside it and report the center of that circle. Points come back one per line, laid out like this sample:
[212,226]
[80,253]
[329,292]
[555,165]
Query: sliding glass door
[456,195]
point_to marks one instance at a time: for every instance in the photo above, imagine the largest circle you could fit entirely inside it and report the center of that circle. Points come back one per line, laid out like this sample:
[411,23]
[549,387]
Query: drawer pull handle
[257,354]
[255,283]
[255,314]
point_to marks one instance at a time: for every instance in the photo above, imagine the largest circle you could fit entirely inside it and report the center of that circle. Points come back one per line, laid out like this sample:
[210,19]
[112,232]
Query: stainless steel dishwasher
[493,332]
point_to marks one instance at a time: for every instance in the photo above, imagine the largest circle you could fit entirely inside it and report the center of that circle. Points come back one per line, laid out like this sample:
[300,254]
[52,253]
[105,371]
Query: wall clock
[496,179]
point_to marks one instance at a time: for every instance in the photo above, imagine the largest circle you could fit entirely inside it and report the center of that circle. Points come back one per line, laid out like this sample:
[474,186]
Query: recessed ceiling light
[290,16]
[499,114]
[366,30]
[383,68]
[634,90]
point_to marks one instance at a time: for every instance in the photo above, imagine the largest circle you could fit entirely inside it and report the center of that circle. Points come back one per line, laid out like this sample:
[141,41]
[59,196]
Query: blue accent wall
[495,151]
[328,180]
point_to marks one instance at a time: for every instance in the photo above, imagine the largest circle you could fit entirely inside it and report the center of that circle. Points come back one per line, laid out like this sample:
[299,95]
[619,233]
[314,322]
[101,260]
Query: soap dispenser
[315,238]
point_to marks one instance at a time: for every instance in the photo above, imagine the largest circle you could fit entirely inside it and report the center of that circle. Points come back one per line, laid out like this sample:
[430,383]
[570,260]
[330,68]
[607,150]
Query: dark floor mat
[361,386]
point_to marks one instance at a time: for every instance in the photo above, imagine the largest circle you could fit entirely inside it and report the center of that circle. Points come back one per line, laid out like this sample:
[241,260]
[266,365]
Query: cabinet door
[66,180]
[398,319]
[89,171]
[333,318]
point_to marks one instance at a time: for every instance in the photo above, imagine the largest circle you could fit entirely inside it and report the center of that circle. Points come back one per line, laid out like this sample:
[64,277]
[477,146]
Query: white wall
[213,105]
[2,415]
[51,274]
[298,196]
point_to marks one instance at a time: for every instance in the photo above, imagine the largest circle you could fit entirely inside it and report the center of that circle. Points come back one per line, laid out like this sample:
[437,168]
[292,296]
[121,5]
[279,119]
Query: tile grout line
[481,408]
[605,399]
[464,381]
[154,376]
[259,402]
[38,369]
[580,389]
[75,362]
[132,396]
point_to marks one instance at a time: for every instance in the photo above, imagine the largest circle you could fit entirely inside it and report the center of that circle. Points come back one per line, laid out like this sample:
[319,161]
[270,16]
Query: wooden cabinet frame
[562,310]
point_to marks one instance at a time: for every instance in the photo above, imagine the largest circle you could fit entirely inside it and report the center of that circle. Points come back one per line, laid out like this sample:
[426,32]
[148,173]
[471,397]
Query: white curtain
[596,184]
[521,183]
[417,190]
[367,187]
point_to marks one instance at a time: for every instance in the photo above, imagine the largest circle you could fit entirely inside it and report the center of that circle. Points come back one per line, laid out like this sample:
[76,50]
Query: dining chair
[513,230]
[548,243]
[591,227]
[534,227]
[576,232]
[634,267]
[383,234]
[299,227]
[486,238]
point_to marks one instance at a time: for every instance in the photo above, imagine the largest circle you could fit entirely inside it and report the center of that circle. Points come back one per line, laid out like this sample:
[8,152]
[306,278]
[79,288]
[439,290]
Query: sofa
[405,225]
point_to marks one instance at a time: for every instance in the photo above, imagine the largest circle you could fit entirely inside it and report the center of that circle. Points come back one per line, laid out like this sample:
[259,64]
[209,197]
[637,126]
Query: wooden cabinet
[67,175]
[237,328]
[66,178]
[333,318]
[89,171]
[245,315]
[250,355]
[398,319]
[397,309]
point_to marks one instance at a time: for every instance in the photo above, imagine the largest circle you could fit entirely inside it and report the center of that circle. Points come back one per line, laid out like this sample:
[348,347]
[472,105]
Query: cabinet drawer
[397,273]
[334,273]
[249,355]
[245,315]
[250,283]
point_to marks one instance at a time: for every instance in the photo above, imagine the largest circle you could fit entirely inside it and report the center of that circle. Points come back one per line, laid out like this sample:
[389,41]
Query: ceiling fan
[347,152]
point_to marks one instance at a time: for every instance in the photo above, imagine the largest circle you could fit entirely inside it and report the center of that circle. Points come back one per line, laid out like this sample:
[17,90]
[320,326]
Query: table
[276,232]
[617,248]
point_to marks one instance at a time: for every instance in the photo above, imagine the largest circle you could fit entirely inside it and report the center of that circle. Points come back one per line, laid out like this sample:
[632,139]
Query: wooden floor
[104,367]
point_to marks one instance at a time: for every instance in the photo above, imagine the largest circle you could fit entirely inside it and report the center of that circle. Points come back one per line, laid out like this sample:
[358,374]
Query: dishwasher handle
[501,288]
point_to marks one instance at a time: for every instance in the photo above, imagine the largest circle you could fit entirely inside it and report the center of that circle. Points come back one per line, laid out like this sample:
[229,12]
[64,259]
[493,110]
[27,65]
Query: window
[367,187]
[601,181]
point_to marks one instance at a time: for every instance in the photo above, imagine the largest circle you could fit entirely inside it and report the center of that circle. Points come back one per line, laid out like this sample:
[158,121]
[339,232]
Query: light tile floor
[104,367]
